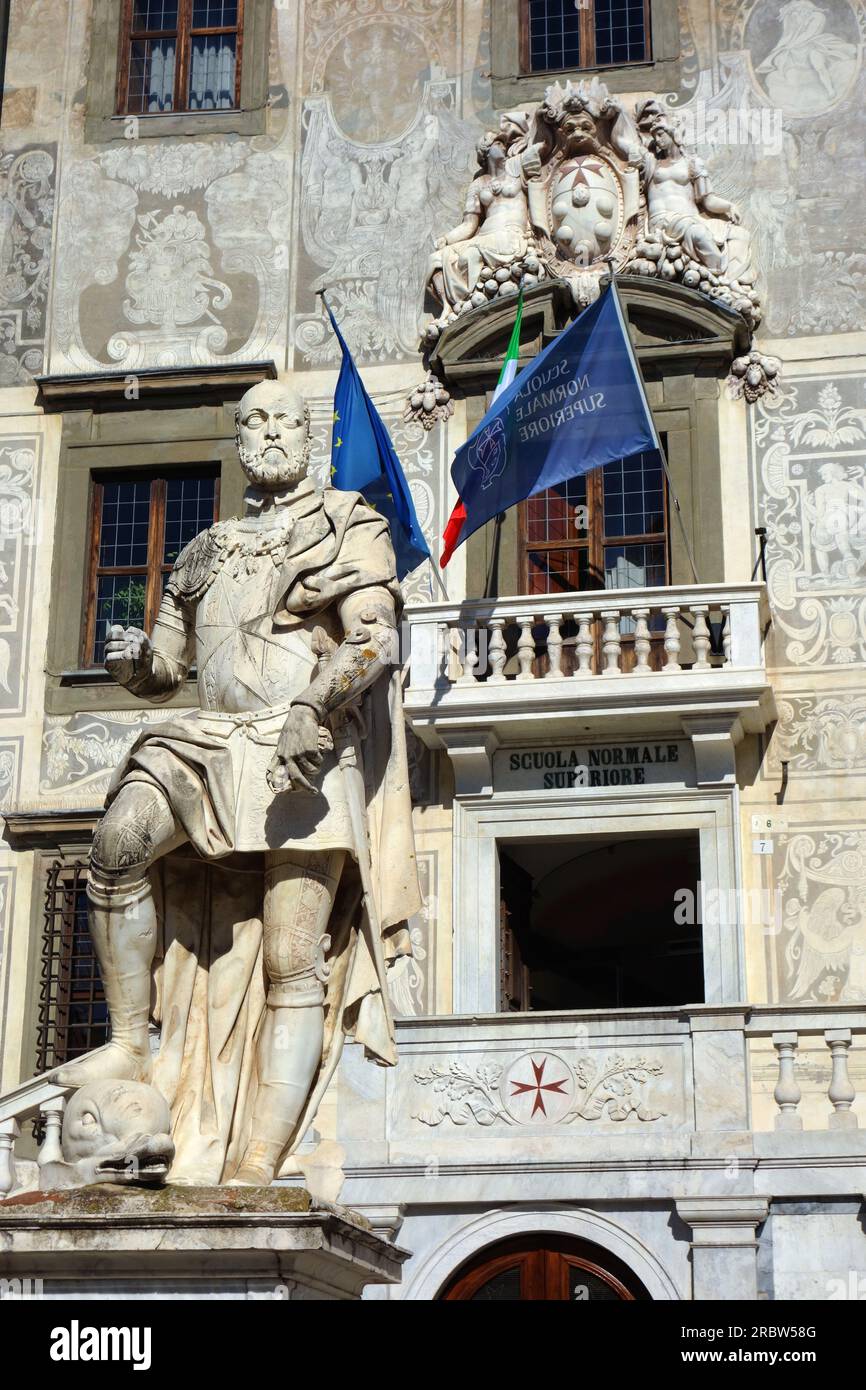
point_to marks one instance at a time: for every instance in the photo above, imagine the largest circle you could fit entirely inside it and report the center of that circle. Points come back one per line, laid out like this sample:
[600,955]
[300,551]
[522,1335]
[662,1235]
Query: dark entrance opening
[601,923]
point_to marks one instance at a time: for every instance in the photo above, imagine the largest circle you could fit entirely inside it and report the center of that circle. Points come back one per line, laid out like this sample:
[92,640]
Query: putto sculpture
[579,186]
[235,892]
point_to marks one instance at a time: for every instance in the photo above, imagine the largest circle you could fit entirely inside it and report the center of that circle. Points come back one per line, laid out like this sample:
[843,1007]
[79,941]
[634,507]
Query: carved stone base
[192,1242]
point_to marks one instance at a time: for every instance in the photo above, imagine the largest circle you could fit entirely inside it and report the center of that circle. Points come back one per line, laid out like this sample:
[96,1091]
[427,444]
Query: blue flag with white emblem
[363,460]
[578,405]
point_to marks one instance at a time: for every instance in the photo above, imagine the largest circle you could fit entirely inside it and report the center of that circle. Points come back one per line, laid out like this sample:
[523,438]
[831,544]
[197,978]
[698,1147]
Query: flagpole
[659,445]
[439,580]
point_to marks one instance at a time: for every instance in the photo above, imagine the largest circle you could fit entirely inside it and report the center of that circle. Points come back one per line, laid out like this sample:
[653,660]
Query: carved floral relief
[540,1088]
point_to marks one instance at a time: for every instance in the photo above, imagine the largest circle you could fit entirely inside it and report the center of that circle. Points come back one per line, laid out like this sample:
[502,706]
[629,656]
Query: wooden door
[544,1268]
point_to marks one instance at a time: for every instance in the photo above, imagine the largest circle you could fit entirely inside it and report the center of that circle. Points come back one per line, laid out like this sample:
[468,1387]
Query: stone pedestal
[191,1242]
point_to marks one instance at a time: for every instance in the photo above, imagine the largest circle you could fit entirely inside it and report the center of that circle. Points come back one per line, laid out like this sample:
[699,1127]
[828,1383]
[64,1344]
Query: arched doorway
[544,1267]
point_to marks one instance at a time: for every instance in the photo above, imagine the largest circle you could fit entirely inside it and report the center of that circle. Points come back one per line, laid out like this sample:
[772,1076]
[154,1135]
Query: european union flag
[363,460]
[578,405]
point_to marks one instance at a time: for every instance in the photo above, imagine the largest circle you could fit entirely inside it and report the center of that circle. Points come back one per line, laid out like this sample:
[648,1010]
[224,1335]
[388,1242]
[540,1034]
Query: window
[603,530]
[73,1016]
[557,34]
[180,55]
[139,525]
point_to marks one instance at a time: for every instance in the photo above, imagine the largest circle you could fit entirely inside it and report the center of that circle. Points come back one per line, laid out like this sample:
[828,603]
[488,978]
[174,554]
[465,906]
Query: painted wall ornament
[583,183]
[811,495]
[821,950]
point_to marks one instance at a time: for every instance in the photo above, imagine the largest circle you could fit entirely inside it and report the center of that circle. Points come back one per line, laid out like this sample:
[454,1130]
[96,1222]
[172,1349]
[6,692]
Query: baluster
[52,1113]
[611,643]
[642,642]
[840,1092]
[526,650]
[496,652]
[584,644]
[9,1132]
[470,657]
[726,633]
[554,647]
[787,1093]
[672,641]
[444,655]
[700,637]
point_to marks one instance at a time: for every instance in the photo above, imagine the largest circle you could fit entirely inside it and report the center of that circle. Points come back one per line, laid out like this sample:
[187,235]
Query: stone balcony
[746,1099]
[624,663]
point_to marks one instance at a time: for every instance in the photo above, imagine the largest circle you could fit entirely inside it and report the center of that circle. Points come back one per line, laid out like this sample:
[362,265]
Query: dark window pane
[154,15]
[212,72]
[633,497]
[585,1287]
[151,75]
[214,14]
[503,1287]
[125,525]
[620,34]
[553,34]
[552,516]
[189,508]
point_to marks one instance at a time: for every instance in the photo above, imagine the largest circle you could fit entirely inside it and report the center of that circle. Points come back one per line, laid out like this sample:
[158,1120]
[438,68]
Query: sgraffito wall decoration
[819,945]
[26,216]
[171,254]
[378,174]
[809,446]
[20,460]
[412,980]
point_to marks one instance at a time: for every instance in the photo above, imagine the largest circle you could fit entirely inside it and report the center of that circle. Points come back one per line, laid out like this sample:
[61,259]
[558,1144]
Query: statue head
[272,430]
[114,1131]
[490,152]
[513,126]
[663,137]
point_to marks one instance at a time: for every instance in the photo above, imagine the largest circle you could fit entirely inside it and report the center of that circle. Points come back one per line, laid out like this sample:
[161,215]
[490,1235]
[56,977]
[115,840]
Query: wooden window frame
[183,33]
[596,540]
[155,567]
[586,40]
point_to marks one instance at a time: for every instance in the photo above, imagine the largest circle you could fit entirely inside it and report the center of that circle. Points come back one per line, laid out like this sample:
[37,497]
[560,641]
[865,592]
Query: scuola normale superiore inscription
[604,765]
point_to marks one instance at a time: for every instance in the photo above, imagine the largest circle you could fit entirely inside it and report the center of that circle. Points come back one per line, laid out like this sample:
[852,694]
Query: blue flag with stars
[363,460]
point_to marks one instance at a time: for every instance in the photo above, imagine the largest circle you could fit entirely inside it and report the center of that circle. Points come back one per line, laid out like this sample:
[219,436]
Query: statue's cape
[209,978]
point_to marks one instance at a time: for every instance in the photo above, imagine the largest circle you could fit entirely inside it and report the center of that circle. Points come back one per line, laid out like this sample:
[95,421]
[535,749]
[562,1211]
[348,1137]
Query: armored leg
[137,829]
[299,896]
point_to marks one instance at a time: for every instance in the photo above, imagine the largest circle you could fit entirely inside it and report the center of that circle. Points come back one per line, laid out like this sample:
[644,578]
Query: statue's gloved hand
[299,752]
[128,652]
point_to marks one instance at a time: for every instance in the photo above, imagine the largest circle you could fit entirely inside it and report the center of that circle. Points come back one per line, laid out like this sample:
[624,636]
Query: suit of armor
[289,614]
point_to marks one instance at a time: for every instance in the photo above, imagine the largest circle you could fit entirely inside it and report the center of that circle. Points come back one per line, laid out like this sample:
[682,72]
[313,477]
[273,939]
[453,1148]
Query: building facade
[630,1036]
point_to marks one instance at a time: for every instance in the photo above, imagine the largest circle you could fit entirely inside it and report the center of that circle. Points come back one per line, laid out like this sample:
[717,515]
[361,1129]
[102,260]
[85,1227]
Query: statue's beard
[272,468]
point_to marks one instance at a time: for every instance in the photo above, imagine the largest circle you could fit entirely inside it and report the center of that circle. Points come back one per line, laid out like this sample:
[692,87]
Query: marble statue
[694,229]
[235,892]
[474,261]
[113,1131]
[581,185]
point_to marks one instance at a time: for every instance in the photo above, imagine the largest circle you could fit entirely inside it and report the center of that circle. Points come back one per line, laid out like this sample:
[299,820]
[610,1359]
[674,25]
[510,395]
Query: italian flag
[451,534]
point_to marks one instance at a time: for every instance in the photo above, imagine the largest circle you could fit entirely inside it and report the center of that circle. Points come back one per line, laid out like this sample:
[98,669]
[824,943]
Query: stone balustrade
[632,663]
[40,1097]
[577,636]
[785,1029]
